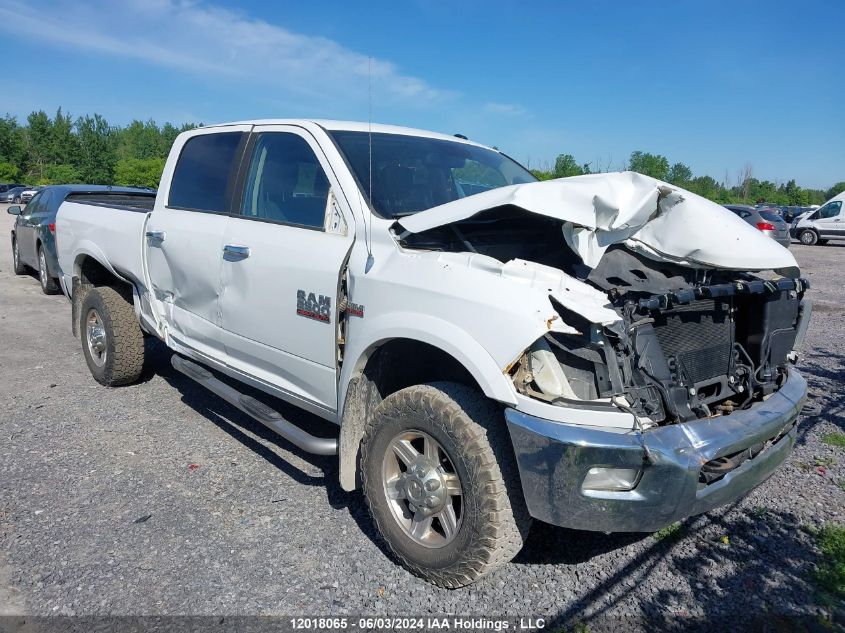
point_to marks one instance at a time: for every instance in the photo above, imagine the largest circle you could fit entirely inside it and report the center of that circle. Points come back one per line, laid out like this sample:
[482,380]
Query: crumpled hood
[659,219]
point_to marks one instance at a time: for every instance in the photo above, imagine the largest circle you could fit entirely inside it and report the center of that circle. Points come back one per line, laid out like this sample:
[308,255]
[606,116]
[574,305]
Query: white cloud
[218,44]
[509,109]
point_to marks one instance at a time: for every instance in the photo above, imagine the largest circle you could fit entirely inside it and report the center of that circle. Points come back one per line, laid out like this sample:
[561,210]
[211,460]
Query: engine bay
[690,343]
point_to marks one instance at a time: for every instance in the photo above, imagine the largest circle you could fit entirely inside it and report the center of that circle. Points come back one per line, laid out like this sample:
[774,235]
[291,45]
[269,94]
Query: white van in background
[821,225]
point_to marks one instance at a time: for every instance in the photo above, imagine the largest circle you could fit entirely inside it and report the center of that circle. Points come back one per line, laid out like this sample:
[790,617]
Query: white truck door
[284,252]
[184,237]
[829,220]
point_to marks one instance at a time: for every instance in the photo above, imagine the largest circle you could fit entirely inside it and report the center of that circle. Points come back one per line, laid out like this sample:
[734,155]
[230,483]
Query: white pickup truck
[594,352]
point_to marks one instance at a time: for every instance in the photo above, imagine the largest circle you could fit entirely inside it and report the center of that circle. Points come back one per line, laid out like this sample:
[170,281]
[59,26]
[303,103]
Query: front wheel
[808,237]
[442,484]
[48,282]
[112,341]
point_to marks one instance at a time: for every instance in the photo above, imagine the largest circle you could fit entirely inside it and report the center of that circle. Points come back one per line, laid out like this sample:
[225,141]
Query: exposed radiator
[699,336]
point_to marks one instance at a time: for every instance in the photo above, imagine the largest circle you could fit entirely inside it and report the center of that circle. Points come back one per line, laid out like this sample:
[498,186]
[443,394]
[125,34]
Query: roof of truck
[353,126]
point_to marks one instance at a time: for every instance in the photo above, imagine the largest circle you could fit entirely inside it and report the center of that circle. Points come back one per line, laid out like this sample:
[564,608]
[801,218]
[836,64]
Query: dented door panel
[184,270]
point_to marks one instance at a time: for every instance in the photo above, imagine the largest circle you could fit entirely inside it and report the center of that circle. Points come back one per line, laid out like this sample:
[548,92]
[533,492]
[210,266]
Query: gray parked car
[13,195]
[767,220]
[34,232]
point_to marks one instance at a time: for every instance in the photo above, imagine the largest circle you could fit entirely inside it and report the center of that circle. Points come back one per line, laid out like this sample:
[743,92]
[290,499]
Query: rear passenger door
[184,237]
[284,251]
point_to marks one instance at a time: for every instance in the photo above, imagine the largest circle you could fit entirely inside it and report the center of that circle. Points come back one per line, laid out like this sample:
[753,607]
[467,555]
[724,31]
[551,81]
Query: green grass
[758,512]
[834,439]
[830,574]
[802,466]
[824,461]
[670,532]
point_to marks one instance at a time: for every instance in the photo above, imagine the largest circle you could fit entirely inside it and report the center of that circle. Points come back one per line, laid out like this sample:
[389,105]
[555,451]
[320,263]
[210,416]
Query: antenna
[368,234]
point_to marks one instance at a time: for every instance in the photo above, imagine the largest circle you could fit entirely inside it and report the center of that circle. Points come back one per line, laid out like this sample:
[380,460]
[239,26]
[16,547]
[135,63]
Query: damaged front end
[689,344]
[701,359]
[663,385]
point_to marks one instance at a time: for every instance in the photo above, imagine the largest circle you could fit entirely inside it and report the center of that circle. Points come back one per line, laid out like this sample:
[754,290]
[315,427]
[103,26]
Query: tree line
[64,149]
[87,149]
[746,189]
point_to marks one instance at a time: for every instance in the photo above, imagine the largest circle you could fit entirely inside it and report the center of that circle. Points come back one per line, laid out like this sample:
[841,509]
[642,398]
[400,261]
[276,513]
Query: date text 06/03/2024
[421,623]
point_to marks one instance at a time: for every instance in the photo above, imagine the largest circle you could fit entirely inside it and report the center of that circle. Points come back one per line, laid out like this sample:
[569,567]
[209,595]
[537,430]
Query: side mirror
[15,210]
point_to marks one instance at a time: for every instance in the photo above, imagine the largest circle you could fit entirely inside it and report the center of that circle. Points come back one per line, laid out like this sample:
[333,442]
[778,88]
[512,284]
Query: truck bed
[108,228]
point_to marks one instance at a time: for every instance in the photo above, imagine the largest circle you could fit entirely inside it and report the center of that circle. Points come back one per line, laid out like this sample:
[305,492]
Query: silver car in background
[28,194]
[766,220]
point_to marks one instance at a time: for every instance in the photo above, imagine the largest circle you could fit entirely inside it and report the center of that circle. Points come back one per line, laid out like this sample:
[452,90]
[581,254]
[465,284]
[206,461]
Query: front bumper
[554,458]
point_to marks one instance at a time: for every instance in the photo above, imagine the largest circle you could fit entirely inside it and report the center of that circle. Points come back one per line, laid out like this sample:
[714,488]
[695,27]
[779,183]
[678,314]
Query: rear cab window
[204,177]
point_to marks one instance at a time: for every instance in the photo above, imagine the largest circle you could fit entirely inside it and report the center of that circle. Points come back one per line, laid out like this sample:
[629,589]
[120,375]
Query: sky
[716,85]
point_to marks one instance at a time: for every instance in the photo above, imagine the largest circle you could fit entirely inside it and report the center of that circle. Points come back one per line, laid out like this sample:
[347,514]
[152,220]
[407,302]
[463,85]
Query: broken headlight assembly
[702,350]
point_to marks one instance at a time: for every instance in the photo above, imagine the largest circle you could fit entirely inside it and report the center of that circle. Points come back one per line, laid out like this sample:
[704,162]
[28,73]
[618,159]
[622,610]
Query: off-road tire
[49,286]
[472,431]
[808,237]
[124,339]
[17,265]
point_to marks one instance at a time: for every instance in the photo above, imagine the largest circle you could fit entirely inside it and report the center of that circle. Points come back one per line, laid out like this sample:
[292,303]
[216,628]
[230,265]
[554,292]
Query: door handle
[156,235]
[233,250]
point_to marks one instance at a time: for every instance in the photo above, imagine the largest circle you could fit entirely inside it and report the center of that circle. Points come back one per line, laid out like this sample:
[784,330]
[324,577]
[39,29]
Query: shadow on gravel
[552,545]
[239,426]
[745,570]
[235,422]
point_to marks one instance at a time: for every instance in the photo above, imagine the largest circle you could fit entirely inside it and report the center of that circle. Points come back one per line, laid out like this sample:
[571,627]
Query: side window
[33,205]
[285,182]
[830,210]
[44,202]
[203,177]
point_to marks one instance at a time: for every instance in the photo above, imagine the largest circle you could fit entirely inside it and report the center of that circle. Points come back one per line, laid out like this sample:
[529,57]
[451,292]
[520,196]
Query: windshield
[413,173]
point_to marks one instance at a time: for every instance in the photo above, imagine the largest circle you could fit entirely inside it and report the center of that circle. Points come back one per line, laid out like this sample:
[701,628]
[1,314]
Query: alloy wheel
[423,489]
[95,337]
[43,275]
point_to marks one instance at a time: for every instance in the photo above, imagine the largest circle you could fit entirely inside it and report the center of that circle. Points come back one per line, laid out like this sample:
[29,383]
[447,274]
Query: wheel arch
[377,370]
[810,229]
[90,271]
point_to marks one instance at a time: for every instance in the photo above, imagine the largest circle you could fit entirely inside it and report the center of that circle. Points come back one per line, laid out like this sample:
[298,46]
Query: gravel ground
[161,499]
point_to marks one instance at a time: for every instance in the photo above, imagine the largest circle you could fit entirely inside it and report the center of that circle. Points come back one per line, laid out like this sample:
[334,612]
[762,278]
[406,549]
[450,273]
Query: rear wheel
[442,484]
[112,341]
[808,237]
[48,282]
[17,265]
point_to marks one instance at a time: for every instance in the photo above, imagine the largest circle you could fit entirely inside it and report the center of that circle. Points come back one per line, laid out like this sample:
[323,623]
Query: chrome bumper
[554,458]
